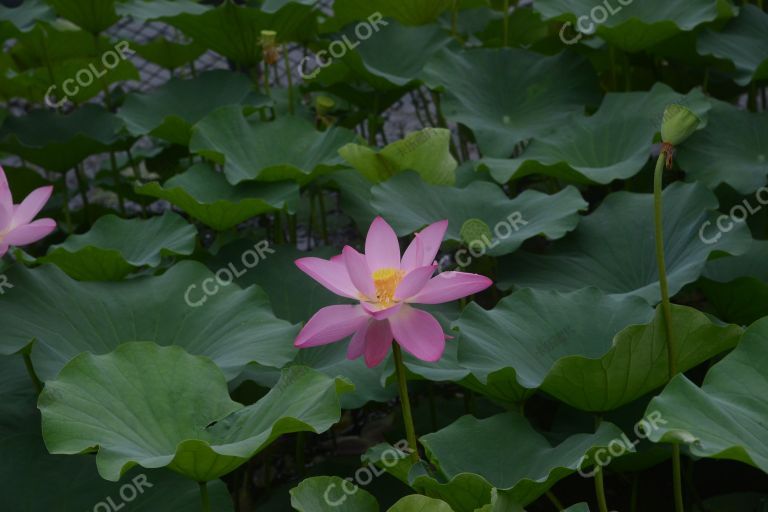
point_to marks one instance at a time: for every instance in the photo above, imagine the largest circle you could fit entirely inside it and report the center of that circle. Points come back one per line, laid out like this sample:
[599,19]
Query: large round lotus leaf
[159,406]
[408,204]
[288,148]
[326,494]
[115,247]
[144,11]
[168,54]
[91,15]
[592,351]
[415,503]
[725,417]
[576,151]
[169,111]
[743,41]
[388,52]
[233,326]
[25,462]
[414,12]
[737,287]
[234,30]
[631,26]
[59,142]
[50,58]
[509,95]
[427,152]
[24,16]
[733,149]
[599,253]
[485,463]
[207,196]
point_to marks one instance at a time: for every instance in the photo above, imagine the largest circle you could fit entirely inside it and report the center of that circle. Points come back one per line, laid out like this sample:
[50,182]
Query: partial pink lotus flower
[16,224]
[386,287]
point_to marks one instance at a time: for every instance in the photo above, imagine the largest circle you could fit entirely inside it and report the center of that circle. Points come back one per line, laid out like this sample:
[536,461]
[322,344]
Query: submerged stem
[666,309]
[405,401]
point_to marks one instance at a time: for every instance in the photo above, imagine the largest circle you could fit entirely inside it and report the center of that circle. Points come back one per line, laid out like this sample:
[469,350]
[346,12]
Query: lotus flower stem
[602,503]
[83,186]
[556,502]
[323,220]
[505,43]
[289,76]
[65,204]
[666,310]
[405,402]
[137,176]
[116,177]
[204,499]
[600,490]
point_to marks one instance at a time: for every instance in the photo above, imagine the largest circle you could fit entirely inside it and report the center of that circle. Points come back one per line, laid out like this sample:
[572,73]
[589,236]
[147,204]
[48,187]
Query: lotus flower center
[386,280]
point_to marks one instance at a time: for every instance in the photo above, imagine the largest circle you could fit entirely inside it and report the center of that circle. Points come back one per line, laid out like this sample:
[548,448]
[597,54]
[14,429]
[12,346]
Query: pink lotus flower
[386,286]
[16,224]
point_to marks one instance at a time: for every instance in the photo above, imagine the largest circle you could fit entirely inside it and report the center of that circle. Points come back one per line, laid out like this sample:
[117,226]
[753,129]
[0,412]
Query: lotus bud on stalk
[678,124]
[270,48]
[323,107]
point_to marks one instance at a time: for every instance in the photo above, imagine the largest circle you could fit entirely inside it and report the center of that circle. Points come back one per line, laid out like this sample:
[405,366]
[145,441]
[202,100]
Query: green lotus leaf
[600,254]
[23,17]
[632,27]
[60,66]
[234,31]
[387,53]
[168,54]
[743,42]
[415,503]
[508,95]
[161,407]
[725,417]
[207,196]
[733,149]
[415,12]
[577,152]
[592,351]
[427,152]
[409,204]
[288,148]
[59,142]
[232,326]
[169,111]
[115,247]
[469,471]
[737,286]
[326,494]
[93,16]
[24,460]
[146,10]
